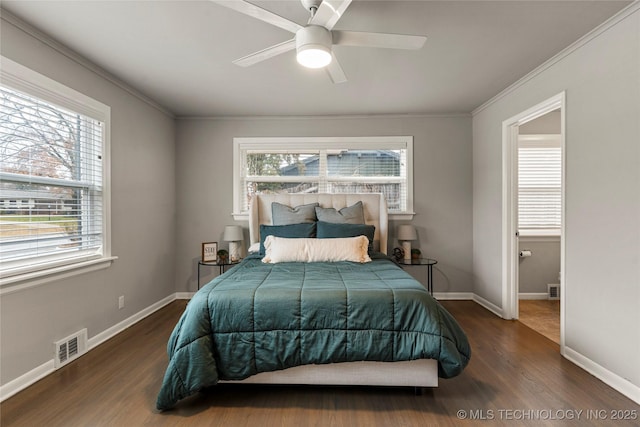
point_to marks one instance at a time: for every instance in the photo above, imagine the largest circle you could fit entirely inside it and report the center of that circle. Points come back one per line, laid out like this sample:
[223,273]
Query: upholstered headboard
[375,211]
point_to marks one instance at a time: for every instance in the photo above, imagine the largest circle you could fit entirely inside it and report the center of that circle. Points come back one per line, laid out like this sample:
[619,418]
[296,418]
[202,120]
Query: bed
[291,321]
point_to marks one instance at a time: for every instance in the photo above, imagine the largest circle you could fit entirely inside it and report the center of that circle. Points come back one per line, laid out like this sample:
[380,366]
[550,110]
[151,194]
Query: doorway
[533,240]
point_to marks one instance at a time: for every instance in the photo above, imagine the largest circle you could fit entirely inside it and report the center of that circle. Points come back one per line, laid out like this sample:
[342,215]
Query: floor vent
[553,291]
[70,348]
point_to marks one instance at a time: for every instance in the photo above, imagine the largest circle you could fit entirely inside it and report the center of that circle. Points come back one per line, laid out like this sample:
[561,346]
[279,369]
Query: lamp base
[234,251]
[406,247]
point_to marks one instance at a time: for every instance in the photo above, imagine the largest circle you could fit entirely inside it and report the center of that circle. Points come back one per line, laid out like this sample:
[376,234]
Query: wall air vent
[70,348]
[553,291]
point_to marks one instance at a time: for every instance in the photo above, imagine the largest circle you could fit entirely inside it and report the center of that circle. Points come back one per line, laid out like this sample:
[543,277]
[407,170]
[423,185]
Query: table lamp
[233,235]
[407,233]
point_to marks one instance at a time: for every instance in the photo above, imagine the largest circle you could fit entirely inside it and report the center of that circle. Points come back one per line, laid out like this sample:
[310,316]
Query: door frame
[510,258]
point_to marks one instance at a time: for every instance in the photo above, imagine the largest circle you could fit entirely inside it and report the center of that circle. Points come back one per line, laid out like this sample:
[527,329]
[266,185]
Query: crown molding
[329,117]
[584,40]
[32,31]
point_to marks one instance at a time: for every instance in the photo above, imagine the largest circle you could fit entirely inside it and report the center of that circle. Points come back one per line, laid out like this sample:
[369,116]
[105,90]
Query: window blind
[540,183]
[51,189]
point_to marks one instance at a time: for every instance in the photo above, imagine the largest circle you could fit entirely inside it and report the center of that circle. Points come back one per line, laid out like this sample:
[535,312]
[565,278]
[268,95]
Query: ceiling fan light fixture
[311,57]
[313,46]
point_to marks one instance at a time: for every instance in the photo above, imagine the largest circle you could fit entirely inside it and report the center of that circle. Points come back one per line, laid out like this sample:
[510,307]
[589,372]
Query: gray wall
[542,267]
[442,183]
[602,84]
[547,124]
[143,222]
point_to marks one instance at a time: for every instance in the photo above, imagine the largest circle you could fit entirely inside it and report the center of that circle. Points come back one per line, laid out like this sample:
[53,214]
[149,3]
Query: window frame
[22,79]
[327,143]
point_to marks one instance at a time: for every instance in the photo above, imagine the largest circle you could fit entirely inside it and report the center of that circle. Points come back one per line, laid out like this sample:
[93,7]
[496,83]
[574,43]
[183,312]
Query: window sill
[398,216]
[23,281]
[541,233]
[539,238]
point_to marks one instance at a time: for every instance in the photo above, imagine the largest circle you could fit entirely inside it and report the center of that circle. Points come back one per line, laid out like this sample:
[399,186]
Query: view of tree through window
[51,179]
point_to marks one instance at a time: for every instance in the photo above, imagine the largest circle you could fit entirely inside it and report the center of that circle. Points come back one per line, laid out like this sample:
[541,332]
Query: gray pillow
[285,215]
[353,214]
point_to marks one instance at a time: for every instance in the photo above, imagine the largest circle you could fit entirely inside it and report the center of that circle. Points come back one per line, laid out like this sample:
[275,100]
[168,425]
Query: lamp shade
[407,232]
[233,233]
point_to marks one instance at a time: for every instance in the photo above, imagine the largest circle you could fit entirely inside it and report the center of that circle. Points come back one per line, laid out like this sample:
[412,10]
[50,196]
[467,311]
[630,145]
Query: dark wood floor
[515,377]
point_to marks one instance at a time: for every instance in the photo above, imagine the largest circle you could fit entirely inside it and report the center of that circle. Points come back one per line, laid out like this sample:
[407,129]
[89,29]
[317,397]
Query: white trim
[111,332]
[453,296]
[509,220]
[510,239]
[40,36]
[24,79]
[18,384]
[587,38]
[533,295]
[9,285]
[539,235]
[36,374]
[329,117]
[488,305]
[613,380]
[404,216]
[184,295]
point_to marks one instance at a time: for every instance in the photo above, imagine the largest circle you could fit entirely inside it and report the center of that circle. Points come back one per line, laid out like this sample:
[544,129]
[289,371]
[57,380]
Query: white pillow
[254,248]
[281,249]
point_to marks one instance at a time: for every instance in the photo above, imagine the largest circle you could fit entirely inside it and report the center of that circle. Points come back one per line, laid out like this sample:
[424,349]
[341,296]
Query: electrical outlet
[121,302]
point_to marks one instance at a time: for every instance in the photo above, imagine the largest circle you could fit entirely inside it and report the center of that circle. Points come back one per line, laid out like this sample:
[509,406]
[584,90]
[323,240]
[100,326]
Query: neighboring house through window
[54,197]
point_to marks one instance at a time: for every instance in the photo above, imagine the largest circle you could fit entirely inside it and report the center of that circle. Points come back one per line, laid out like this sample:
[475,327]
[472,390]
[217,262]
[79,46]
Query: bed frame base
[413,373]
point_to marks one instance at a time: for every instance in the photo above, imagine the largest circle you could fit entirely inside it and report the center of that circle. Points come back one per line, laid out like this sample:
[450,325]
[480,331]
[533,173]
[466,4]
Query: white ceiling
[179,53]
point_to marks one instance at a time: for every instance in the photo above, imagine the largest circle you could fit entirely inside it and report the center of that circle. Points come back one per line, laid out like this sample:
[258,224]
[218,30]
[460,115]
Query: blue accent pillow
[307,229]
[353,214]
[329,230]
[285,215]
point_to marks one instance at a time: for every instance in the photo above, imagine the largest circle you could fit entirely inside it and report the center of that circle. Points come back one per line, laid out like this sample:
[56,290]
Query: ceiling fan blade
[335,71]
[389,41]
[267,53]
[259,13]
[329,12]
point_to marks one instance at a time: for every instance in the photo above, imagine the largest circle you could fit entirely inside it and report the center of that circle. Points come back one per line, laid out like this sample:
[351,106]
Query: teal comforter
[265,317]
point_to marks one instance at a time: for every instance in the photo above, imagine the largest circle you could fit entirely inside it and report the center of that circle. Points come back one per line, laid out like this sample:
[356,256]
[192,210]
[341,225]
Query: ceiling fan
[314,40]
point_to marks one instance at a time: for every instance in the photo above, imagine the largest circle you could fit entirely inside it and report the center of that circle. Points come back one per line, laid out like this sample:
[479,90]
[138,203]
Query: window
[53,186]
[324,165]
[539,184]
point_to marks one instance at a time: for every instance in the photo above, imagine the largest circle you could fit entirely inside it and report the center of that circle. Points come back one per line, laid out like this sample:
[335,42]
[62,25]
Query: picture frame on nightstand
[209,251]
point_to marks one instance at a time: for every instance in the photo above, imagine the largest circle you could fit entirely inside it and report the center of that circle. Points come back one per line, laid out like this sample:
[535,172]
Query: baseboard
[533,295]
[488,305]
[14,386]
[184,295]
[453,295]
[615,381]
[98,339]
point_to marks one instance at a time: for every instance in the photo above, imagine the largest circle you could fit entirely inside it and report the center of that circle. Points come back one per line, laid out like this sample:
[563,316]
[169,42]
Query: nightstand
[222,267]
[424,262]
